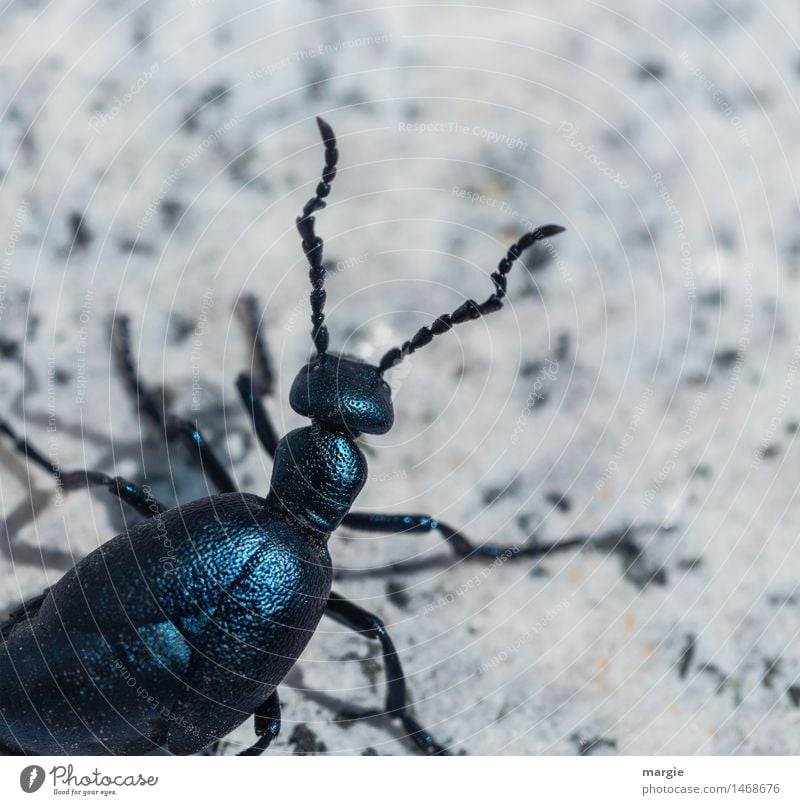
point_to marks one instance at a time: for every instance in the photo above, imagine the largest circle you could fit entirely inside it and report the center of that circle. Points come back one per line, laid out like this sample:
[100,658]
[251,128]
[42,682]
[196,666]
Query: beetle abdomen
[164,636]
[65,690]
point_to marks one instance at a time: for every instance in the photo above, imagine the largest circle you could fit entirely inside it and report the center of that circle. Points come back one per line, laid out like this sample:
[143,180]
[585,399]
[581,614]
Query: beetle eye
[385,386]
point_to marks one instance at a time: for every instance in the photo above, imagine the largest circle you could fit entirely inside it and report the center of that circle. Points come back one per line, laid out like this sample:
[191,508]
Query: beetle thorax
[316,476]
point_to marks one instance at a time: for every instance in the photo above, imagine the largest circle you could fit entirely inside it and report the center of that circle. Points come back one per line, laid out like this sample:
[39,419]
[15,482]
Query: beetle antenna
[312,244]
[470,309]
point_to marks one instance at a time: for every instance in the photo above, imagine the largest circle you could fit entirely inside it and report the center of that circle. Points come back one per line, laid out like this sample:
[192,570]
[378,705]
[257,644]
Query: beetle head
[343,392]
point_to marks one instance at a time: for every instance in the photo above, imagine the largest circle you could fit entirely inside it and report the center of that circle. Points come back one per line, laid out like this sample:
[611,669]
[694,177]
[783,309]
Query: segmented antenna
[312,244]
[470,309]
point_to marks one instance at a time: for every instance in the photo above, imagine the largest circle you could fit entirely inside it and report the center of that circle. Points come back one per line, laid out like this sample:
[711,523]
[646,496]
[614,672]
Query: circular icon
[31,779]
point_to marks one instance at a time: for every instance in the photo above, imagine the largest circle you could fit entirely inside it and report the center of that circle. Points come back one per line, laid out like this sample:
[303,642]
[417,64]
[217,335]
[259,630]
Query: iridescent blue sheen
[172,634]
[343,393]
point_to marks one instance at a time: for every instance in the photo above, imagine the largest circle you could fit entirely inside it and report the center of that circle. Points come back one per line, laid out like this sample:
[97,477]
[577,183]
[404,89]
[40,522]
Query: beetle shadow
[620,542]
[404,566]
[182,482]
[345,713]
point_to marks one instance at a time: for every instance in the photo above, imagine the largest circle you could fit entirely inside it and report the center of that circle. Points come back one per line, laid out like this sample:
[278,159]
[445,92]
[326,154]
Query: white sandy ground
[647,374]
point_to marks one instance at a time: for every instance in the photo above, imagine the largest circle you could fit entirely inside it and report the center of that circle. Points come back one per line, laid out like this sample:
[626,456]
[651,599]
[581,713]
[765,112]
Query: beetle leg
[127,491]
[260,380]
[147,402]
[262,423]
[267,724]
[360,620]
[260,364]
[423,524]
[201,451]
[170,425]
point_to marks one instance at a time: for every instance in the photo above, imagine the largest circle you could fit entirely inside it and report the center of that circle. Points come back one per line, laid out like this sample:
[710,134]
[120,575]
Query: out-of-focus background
[643,375]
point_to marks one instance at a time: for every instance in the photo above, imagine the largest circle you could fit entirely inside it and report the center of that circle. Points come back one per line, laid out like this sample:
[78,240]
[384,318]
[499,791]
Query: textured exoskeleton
[173,633]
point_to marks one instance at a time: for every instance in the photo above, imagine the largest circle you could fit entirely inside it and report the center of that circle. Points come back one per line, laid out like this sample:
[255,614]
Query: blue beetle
[173,633]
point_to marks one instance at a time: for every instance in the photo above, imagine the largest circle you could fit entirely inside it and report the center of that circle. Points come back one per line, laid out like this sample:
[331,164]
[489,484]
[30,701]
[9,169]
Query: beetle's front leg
[128,492]
[461,545]
[260,380]
[152,407]
[360,620]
